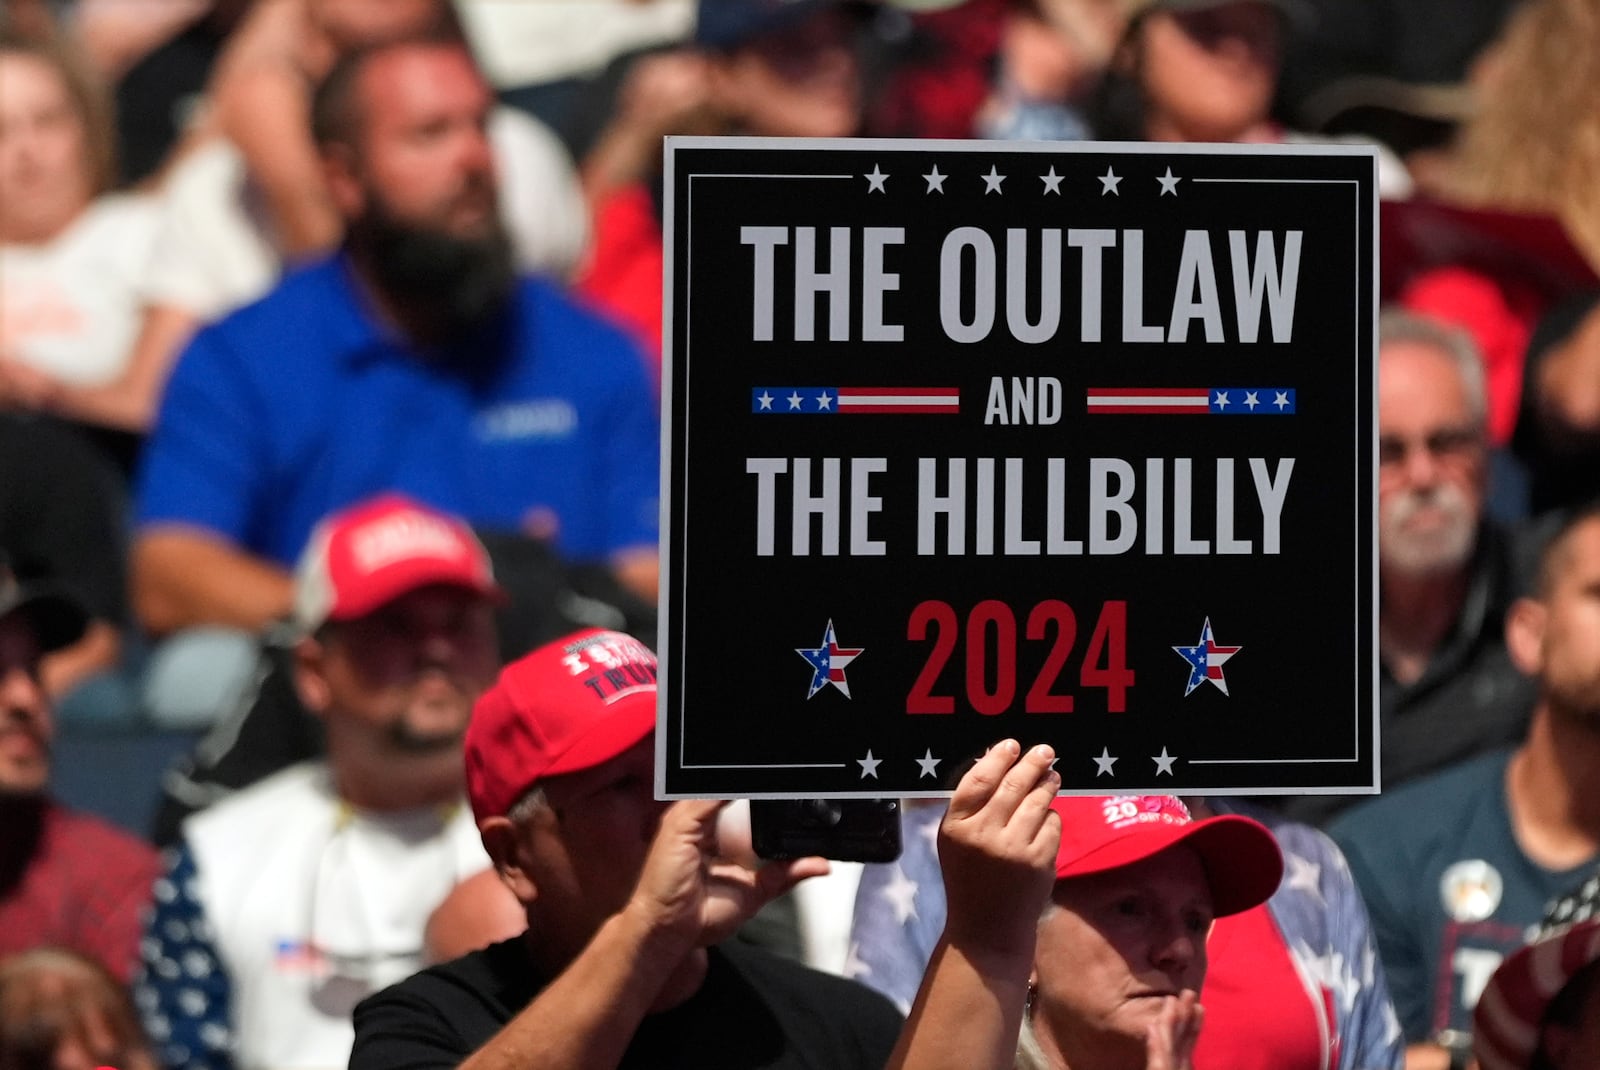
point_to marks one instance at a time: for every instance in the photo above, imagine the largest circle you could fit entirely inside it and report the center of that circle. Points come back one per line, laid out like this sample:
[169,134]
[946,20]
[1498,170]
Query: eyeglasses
[1446,445]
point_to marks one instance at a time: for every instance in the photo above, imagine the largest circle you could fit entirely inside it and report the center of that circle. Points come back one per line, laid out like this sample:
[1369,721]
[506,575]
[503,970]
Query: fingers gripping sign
[688,892]
[997,847]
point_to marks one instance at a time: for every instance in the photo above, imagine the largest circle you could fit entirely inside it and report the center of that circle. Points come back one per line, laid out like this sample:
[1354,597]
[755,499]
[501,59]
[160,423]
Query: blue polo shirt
[304,402]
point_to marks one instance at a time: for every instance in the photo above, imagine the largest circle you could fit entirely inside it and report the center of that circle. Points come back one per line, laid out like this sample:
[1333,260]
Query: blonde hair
[50,996]
[91,101]
[1533,142]
[1030,1056]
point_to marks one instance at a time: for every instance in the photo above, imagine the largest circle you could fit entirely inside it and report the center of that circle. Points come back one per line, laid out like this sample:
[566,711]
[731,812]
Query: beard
[434,714]
[406,738]
[1443,548]
[458,281]
[1576,702]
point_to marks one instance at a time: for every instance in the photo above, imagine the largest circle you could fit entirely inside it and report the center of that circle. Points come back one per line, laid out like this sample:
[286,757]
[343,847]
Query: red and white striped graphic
[866,399]
[1177,400]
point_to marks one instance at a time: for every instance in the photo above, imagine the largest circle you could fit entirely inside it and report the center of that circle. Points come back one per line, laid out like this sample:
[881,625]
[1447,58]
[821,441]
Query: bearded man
[1457,866]
[415,359]
[1447,687]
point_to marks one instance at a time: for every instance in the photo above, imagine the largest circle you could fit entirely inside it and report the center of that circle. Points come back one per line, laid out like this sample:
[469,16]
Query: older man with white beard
[1448,690]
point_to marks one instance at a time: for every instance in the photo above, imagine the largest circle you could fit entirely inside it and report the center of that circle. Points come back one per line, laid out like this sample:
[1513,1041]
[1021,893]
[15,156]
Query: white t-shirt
[312,906]
[528,44]
[214,253]
[72,307]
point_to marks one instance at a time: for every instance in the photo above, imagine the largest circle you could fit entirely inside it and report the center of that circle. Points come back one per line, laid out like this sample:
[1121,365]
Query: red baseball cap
[1103,832]
[567,706]
[371,553]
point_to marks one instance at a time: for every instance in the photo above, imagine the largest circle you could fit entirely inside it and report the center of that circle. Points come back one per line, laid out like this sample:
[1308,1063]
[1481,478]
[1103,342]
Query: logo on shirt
[1471,890]
[298,956]
[541,418]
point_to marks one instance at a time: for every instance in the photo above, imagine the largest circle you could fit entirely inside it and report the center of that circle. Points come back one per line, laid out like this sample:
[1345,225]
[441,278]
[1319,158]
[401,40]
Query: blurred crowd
[330,355]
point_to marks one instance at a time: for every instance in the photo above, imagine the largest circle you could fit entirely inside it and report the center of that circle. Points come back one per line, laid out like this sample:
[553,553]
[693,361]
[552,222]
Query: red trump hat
[567,706]
[373,552]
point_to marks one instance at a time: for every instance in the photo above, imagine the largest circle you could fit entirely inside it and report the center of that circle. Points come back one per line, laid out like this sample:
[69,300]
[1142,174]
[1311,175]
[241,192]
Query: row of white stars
[929,765]
[991,182]
[1280,399]
[824,401]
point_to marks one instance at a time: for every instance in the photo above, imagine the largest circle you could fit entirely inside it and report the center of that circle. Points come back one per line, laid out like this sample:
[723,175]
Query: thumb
[775,878]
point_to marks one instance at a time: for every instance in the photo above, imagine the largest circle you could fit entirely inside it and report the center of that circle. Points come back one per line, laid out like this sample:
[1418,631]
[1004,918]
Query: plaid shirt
[83,885]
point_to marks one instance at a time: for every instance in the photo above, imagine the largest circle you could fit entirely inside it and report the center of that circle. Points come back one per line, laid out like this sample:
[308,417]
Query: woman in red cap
[1094,962]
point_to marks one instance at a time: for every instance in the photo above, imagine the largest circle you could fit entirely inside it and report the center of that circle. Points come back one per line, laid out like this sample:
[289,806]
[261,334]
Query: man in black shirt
[626,961]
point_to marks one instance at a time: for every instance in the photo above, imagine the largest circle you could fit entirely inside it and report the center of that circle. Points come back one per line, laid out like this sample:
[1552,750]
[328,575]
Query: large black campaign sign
[966,441]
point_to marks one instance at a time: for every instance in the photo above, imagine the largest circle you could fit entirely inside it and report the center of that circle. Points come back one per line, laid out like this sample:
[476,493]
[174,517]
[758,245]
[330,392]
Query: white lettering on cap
[403,536]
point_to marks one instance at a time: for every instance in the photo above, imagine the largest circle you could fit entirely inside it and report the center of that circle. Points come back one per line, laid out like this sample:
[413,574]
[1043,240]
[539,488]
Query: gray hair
[1397,325]
[1030,1056]
[532,803]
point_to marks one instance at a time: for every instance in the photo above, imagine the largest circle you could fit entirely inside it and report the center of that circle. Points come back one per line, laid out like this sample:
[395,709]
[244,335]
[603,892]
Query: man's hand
[997,848]
[687,893]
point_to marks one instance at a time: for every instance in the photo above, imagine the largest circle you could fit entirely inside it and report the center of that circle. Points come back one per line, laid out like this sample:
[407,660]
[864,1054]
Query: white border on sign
[898,145]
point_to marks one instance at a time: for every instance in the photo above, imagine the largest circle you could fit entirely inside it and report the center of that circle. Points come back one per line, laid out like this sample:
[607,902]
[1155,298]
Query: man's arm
[184,576]
[646,957]
[205,476]
[639,570]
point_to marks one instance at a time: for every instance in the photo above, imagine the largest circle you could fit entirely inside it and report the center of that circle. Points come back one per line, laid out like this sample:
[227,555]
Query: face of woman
[44,166]
[1210,74]
[1114,947]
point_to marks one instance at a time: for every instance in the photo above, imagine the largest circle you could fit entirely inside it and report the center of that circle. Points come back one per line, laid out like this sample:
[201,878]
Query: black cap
[55,616]
[727,24]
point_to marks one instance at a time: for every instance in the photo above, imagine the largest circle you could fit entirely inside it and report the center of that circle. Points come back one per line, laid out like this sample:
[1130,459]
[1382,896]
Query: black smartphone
[849,830]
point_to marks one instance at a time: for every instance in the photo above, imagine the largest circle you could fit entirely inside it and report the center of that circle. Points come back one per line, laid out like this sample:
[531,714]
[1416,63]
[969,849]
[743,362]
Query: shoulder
[801,987]
[125,218]
[215,168]
[266,809]
[530,141]
[559,326]
[285,319]
[461,1003]
[1432,808]
[310,286]
[555,310]
[486,970]
[116,854]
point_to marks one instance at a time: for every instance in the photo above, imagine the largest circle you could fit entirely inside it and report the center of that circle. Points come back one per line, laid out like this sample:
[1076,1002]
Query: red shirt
[83,885]
[623,276]
[1261,1013]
